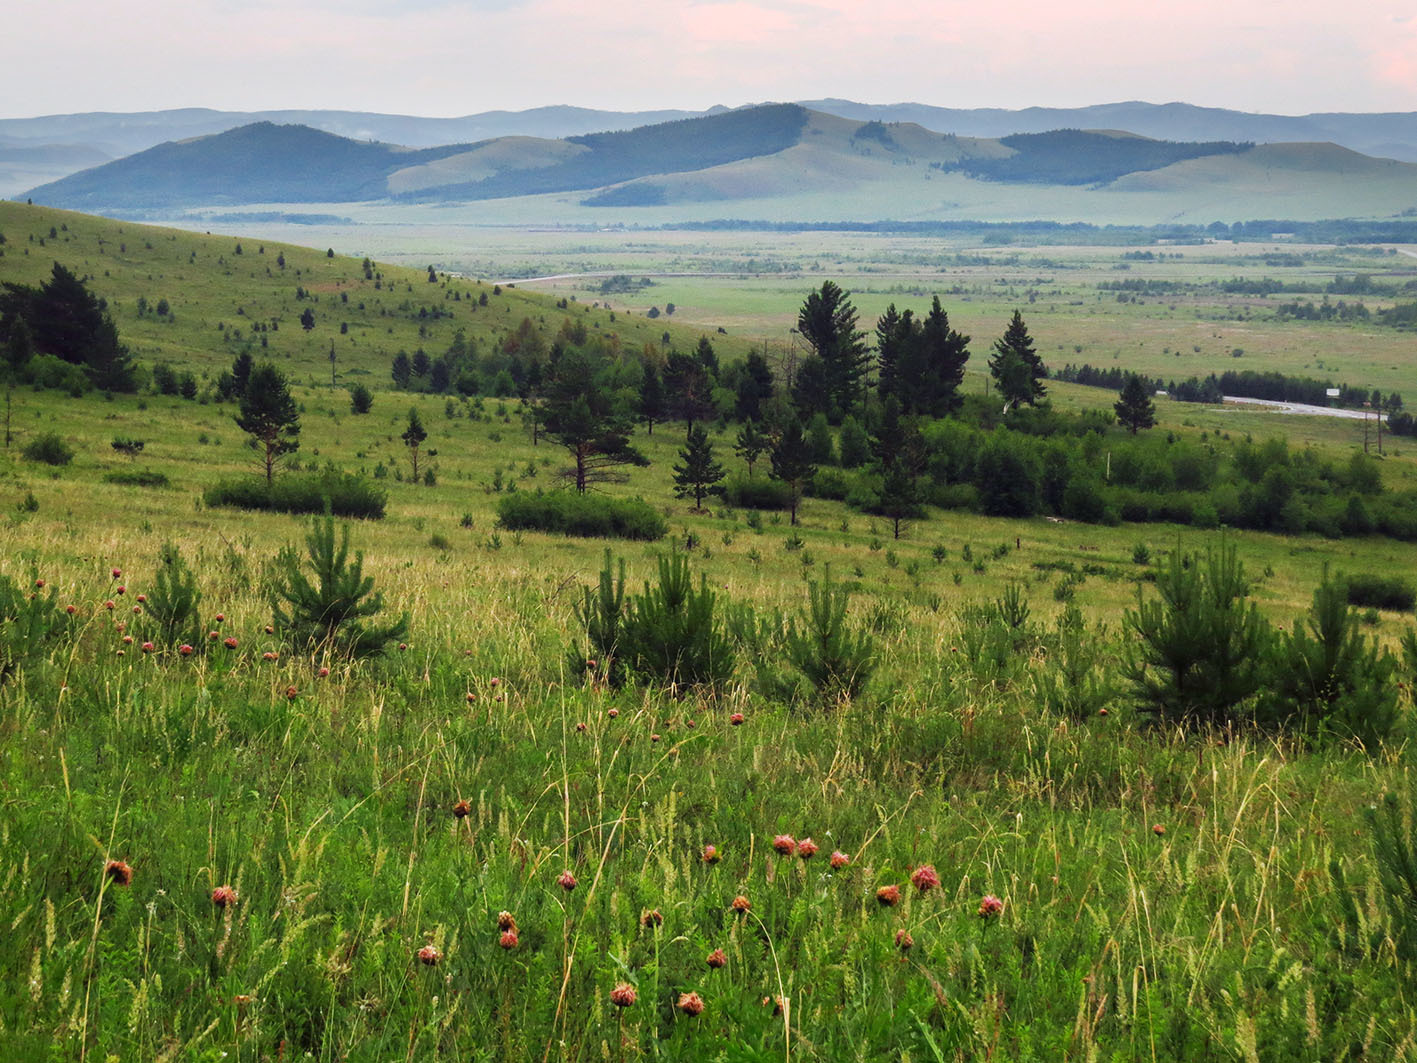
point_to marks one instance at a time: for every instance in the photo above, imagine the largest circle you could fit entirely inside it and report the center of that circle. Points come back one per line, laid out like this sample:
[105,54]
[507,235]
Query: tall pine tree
[792,464]
[1134,407]
[1017,369]
[269,415]
[697,474]
[827,321]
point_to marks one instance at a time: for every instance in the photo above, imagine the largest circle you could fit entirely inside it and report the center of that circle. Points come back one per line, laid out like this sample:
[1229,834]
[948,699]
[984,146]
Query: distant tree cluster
[63,321]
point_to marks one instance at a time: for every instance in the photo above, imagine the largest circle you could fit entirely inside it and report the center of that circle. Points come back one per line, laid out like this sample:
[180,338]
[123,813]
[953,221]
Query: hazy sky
[454,57]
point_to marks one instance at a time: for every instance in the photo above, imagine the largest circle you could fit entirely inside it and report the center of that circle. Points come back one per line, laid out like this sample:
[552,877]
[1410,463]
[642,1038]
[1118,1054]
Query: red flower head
[142,597]
[224,897]
[430,955]
[736,719]
[784,844]
[807,848]
[590,664]
[506,921]
[119,873]
[137,610]
[495,681]
[716,959]
[323,672]
[623,995]
[122,590]
[1158,829]
[39,583]
[185,650]
[290,693]
[612,713]
[403,645]
[231,642]
[127,640]
[270,629]
[652,918]
[690,1004]
[108,605]
[117,572]
[888,896]
[566,881]
[654,738]
[268,656]
[711,854]
[71,609]
[904,941]
[220,617]
[509,939]
[1102,712]
[924,879]
[740,904]
[580,726]
[839,860]
[148,647]
[213,635]
[990,906]
[462,809]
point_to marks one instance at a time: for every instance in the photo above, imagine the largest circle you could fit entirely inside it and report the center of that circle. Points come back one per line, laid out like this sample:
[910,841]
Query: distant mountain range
[867,165]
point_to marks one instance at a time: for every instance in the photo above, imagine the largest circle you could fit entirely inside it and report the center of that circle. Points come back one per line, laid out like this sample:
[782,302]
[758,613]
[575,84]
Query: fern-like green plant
[601,612]
[835,659]
[671,631]
[1395,852]
[30,620]
[333,609]
[173,601]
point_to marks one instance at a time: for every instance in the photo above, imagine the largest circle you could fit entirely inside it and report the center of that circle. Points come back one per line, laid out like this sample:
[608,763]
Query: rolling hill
[775,161]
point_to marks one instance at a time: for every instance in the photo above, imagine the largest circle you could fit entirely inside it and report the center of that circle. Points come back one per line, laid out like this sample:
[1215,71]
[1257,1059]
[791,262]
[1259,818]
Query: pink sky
[442,57]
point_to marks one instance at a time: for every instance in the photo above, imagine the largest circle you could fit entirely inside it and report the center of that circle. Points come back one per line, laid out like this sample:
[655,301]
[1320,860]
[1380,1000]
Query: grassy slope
[331,813]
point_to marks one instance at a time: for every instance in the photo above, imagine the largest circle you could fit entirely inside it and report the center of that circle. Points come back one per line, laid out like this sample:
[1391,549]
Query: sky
[455,57]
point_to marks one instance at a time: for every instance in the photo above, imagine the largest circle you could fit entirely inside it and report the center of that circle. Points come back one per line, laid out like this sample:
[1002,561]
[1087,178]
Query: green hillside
[227,294]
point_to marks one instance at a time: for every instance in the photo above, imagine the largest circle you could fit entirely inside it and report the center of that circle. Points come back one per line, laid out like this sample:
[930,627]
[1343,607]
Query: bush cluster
[568,513]
[343,494]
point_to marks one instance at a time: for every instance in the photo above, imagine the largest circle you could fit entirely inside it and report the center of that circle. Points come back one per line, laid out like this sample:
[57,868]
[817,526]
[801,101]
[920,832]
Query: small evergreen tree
[819,440]
[1017,369]
[855,444]
[413,437]
[361,399]
[174,599]
[792,464]
[653,404]
[333,610]
[307,319]
[836,660]
[401,370]
[750,444]
[1134,407]
[697,474]
[755,387]
[268,414]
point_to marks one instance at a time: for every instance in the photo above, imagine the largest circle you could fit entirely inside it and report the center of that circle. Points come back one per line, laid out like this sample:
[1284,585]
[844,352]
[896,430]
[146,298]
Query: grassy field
[1165,895]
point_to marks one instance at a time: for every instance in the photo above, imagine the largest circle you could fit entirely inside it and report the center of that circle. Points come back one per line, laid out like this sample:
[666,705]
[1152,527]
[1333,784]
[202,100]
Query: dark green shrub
[173,601]
[343,494]
[30,620]
[48,448]
[600,612]
[136,478]
[333,610]
[1394,836]
[1380,592]
[746,492]
[1198,648]
[569,513]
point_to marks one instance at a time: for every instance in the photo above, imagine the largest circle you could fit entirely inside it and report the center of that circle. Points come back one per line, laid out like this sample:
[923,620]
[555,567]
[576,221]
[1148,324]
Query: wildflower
[224,897]
[888,896]
[652,918]
[784,844]
[127,640]
[323,672]
[495,681]
[270,629]
[506,921]
[117,572]
[924,879]
[242,999]
[148,647]
[231,642]
[590,664]
[462,809]
[740,904]
[108,605]
[1158,829]
[137,610]
[39,583]
[566,881]
[142,597]
[716,959]
[220,617]
[291,693]
[623,995]
[509,939]
[613,713]
[268,656]
[711,854]
[471,697]
[807,848]
[403,645]
[580,726]
[71,609]
[736,719]
[185,650]
[839,860]
[654,738]
[990,906]
[903,940]
[213,635]
[121,589]
[776,1003]
[430,955]
[119,873]
[690,1004]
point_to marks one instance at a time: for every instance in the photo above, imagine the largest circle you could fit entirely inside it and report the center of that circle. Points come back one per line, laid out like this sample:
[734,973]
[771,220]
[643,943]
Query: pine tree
[900,451]
[944,353]
[750,444]
[413,437]
[690,388]
[697,474]
[755,387]
[827,321]
[652,405]
[1017,369]
[895,336]
[269,415]
[402,370]
[792,464]
[588,418]
[1134,408]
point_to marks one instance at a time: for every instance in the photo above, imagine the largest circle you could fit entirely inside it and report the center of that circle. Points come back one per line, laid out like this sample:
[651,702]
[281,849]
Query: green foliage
[601,613]
[747,492]
[172,603]
[1134,408]
[836,660]
[333,611]
[269,415]
[1393,833]
[30,621]
[361,399]
[1326,676]
[670,633]
[48,448]
[567,513]
[1199,647]
[697,473]
[855,444]
[343,494]
[1380,592]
